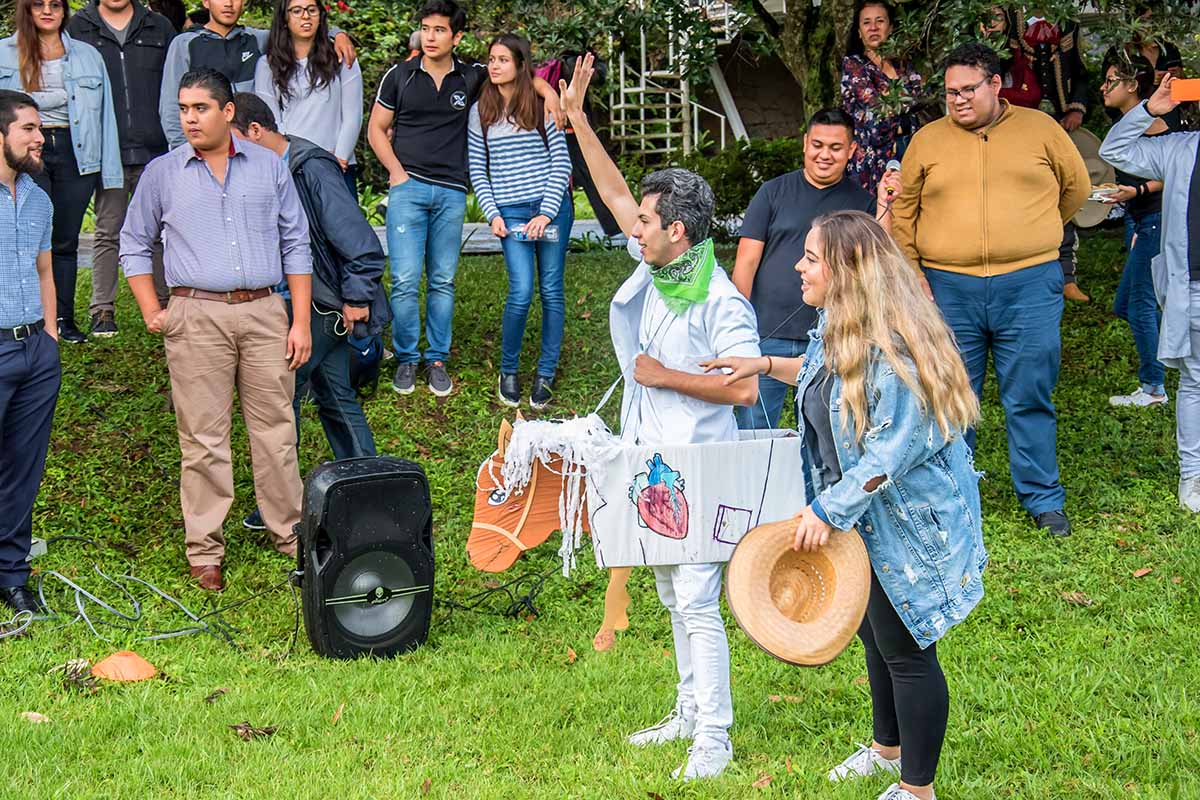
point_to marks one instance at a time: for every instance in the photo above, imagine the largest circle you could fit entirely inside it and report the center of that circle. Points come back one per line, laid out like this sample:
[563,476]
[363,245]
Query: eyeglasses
[304,11]
[965,93]
[1113,83]
[53,5]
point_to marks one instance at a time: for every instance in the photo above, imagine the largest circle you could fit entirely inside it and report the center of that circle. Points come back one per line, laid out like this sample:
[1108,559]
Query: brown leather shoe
[209,577]
[1071,291]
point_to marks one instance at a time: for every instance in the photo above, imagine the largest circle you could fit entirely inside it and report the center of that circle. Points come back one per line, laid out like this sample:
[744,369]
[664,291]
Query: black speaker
[365,557]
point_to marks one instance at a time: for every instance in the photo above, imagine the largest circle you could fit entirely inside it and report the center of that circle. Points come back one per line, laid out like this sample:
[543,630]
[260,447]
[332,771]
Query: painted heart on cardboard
[661,503]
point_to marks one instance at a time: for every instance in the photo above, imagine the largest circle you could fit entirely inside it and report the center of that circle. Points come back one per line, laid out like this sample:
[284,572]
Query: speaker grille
[362,576]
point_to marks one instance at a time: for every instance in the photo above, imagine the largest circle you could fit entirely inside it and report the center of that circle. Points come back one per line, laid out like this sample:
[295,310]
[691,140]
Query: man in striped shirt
[233,228]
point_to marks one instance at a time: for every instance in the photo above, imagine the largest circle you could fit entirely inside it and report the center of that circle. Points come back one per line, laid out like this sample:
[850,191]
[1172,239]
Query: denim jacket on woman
[912,494]
[89,106]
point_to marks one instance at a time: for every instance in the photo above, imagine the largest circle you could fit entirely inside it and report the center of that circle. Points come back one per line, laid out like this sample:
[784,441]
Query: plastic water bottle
[550,234]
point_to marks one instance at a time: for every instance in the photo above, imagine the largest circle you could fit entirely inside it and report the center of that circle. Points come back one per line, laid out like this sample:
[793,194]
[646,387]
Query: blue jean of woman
[1136,302]
[522,259]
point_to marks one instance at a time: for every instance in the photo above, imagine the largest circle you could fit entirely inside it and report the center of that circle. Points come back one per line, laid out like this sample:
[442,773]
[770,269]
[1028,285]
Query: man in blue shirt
[29,367]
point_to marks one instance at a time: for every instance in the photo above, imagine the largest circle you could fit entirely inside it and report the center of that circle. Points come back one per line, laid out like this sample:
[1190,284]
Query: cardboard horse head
[507,523]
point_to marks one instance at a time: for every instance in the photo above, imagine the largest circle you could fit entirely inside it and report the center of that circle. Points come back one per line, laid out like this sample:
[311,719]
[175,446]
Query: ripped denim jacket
[912,495]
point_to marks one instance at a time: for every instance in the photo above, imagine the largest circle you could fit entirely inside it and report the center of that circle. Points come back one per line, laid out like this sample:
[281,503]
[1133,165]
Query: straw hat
[802,608]
[1100,171]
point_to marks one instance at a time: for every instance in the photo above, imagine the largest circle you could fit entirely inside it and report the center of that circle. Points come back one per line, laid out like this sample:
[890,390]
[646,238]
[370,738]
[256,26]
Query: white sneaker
[894,792]
[863,763]
[1140,398]
[670,728]
[706,759]
[1189,494]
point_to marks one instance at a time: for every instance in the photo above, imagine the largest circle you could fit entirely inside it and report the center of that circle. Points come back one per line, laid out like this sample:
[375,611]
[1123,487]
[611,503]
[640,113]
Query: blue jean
[1136,302]
[521,259]
[29,379]
[771,393]
[1016,317]
[327,373]
[424,236]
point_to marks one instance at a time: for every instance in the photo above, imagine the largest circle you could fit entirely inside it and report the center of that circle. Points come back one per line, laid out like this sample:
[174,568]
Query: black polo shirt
[429,131]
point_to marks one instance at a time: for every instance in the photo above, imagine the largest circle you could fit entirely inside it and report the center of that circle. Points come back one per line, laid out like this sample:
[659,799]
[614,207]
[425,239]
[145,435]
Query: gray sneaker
[1189,494]
[405,378]
[439,381]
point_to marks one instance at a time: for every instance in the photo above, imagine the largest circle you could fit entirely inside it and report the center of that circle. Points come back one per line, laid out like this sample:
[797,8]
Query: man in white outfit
[677,309]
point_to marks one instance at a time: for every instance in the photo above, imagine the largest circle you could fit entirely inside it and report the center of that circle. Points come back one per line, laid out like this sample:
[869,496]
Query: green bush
[738,171]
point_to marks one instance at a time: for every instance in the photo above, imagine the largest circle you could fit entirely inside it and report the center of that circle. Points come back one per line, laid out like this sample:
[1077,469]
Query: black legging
[909,698]
[70,194]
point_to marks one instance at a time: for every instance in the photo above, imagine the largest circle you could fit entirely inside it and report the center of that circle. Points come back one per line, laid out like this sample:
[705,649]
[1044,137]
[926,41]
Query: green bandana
[685,280]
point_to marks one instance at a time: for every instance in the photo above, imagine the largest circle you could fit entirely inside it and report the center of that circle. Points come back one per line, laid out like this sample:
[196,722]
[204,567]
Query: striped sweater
[522,170]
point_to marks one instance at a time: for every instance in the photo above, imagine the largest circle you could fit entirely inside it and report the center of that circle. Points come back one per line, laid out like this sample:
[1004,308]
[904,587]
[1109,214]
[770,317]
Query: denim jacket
[920,519]
[89,106]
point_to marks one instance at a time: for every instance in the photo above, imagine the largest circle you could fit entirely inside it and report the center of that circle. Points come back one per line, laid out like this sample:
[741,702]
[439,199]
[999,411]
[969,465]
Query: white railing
[651,118]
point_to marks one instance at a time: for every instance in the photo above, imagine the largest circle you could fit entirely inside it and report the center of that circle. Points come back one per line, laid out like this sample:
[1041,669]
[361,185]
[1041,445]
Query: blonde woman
[883,399]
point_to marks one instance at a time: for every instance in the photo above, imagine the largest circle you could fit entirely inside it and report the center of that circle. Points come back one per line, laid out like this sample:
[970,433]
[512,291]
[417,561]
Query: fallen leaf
[1077,598]
[861,679]
[1143,572]
[491,583]
[426,785]
[248,732]
[571,656]
[338,714]
[583,298]
[1177,579]
[1121,543]
[764,780]
[586,314]
[666,653]
[788,763]
[216,695]
[774,698]
[654,796]
[34,717]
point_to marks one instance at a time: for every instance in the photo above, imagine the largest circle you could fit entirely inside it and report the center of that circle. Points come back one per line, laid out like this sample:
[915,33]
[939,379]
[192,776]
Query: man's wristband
[1146,105]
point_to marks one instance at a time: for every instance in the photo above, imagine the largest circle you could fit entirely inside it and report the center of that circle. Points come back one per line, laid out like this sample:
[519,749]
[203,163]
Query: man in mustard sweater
[986,191]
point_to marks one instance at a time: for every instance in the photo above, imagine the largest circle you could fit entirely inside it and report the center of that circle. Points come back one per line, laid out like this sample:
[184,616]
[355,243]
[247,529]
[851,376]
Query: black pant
[70,194]
[583,179]
[1066,252]
[29,379]
[909,698]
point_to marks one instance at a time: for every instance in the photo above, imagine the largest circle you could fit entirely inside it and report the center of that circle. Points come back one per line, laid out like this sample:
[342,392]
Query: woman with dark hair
[1019,82]
[867,78]
[68,80]
[1125,85]
[520,168]
[310,92]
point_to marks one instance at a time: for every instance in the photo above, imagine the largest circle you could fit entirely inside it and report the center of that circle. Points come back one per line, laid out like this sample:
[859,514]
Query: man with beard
[29,368]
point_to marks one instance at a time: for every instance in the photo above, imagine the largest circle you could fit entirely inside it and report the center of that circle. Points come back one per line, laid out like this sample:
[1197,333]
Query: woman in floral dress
[866,78]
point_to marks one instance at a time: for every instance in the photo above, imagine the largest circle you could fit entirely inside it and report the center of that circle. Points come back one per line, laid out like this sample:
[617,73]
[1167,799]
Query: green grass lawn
[1049,698]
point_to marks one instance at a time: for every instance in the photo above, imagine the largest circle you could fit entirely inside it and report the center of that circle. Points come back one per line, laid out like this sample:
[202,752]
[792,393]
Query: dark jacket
[1059,68]
[135,73]
[348,260]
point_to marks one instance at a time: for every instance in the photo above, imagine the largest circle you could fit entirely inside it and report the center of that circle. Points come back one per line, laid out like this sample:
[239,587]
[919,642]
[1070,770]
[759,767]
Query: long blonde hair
[875,302]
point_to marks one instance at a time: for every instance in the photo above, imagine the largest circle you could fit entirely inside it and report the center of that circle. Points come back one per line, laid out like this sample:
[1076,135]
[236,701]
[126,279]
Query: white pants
[692,593]
[1187,402]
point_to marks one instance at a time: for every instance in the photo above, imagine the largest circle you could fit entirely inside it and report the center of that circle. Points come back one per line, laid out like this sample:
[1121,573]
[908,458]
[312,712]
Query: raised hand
[570,97]
[1160,102]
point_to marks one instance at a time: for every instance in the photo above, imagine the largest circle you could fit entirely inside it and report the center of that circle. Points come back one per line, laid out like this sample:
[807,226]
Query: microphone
[892,166]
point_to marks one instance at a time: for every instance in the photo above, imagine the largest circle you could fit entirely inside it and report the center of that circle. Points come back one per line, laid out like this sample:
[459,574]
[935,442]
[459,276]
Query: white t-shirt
[723,325]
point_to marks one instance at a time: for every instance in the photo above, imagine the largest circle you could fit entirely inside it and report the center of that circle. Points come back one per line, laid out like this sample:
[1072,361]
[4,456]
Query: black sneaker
[254,521]
[439,381]
[404,381]
[543,392]
[1055,523]
[67,332]
[509,390]
[104,324]
[20,598]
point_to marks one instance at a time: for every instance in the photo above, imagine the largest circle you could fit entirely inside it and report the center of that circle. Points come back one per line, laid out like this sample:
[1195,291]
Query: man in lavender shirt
[232,228]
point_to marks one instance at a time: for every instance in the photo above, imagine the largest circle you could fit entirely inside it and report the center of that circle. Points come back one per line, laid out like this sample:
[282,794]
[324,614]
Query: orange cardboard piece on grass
[125,665]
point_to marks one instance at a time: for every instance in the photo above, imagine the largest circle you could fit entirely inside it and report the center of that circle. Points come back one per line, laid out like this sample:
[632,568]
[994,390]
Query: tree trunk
[811,46]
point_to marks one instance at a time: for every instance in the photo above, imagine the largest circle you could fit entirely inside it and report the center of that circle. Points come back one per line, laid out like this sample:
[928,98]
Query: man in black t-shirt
[424,103]
[772,242]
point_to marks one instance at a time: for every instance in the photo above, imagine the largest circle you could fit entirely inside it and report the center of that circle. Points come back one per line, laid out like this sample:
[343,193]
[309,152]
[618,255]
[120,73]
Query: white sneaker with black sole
[863,763]
[672,727]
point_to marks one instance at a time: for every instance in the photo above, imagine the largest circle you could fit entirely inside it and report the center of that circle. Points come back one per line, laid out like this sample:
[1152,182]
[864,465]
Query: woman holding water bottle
[520,169]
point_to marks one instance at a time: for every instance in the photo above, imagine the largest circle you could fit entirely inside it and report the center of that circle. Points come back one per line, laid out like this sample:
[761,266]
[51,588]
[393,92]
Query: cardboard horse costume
[644,505]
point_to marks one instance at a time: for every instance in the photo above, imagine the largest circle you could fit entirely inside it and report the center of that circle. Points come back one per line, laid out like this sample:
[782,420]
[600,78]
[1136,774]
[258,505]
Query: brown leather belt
[236,296]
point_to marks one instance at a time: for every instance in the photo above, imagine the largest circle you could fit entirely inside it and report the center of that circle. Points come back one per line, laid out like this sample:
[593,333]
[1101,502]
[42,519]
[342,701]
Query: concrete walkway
[477,239]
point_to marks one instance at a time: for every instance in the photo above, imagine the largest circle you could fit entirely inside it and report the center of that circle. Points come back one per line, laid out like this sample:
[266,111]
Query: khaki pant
[111,205]
[211,348]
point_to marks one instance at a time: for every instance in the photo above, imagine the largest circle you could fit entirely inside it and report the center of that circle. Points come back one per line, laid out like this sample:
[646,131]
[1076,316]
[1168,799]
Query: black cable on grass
[483,602]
